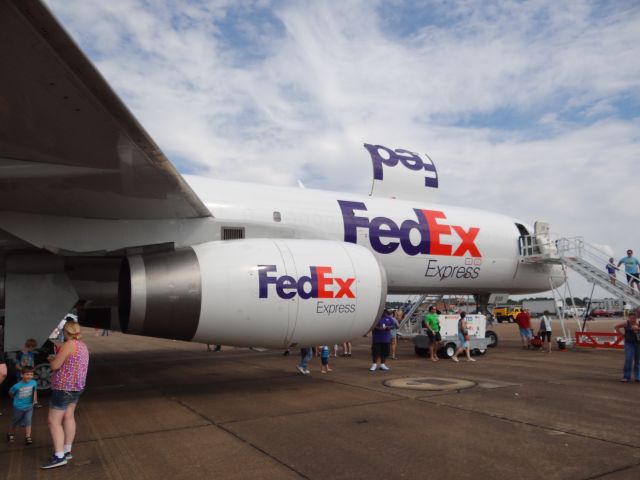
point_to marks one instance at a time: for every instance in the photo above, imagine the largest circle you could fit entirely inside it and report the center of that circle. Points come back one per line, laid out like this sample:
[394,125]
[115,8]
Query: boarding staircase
[411,324]
[580,256]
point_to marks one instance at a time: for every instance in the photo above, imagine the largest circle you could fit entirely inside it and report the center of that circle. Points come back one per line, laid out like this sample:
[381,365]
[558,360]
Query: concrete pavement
[165,409]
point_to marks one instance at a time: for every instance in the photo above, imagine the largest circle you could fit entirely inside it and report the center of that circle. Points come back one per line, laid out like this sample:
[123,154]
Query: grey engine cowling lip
[160,295]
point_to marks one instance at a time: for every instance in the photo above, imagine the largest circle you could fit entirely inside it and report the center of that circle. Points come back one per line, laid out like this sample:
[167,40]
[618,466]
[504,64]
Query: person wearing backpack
[545,330]
[463,339]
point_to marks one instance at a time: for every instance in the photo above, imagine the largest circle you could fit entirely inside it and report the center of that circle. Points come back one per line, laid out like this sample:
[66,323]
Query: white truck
[479,337]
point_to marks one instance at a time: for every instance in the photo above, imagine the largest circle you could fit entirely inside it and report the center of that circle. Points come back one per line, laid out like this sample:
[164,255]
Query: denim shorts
[525,332]
[22,418]
[61,399]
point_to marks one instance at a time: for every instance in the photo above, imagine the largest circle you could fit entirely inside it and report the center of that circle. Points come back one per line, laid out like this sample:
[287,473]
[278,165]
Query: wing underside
[68,145]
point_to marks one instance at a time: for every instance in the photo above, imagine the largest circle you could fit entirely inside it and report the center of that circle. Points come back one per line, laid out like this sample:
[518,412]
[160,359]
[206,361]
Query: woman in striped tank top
[67,384]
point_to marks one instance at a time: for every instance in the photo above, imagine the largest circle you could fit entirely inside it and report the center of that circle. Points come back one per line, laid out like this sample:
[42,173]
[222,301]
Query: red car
[600,312]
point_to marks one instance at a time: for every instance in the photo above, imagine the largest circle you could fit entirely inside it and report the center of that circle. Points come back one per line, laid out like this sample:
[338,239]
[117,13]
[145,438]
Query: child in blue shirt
[24,394]
[25,357]
[324,358]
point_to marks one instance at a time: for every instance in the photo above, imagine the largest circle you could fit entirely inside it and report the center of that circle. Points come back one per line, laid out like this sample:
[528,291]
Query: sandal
[28,440]
[11,437]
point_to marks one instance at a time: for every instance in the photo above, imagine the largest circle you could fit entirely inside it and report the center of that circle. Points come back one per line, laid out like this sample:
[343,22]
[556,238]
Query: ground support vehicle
[479,337]
[506,313]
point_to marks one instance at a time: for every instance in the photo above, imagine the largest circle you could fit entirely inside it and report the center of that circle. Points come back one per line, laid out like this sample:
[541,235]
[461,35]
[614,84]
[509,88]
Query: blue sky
[531,109]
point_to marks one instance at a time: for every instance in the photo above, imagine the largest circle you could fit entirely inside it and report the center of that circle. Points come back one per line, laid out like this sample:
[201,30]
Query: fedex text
[386,235]
[383,156]
[319,284]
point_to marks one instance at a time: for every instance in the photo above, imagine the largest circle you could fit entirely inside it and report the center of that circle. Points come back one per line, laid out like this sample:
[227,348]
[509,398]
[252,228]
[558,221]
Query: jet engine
[253,292]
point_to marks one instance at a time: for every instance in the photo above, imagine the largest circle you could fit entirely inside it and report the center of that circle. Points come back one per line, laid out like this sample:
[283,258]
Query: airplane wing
[69,147]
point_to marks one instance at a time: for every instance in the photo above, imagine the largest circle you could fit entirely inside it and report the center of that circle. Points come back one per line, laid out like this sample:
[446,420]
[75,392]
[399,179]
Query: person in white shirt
[545,330]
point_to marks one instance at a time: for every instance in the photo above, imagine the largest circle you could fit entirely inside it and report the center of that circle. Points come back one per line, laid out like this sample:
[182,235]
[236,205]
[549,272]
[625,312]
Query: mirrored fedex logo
[319,284]
[383,156]
[386,236]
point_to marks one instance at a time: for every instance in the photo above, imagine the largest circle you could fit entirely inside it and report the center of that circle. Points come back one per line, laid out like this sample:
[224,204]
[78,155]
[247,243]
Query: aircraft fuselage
[424,247]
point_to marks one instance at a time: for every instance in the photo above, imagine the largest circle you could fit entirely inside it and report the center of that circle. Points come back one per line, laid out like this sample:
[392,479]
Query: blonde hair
[71,330]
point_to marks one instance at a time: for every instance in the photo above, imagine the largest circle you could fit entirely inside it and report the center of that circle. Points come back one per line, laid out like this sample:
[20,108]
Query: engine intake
[160,295]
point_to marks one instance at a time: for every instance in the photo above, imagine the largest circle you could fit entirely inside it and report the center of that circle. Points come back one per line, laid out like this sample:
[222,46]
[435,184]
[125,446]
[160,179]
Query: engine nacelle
[255,292]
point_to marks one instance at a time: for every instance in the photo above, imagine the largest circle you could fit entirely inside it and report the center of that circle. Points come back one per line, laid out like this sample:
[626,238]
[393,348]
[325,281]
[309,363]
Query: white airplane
[93,216]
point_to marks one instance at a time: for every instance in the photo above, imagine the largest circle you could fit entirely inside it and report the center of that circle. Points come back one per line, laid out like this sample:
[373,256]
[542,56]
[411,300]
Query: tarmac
[165,409]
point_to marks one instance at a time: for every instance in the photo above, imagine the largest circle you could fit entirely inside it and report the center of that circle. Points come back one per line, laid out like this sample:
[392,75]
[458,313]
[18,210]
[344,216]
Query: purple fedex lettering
[410,160]
[384,228]
[385,235]
[319,282]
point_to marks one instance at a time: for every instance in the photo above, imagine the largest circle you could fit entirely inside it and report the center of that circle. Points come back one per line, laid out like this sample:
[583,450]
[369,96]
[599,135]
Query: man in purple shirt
[381,341]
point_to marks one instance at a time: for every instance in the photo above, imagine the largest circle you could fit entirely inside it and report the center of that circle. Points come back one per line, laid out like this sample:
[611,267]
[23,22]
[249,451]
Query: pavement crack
[530,424]
[610,472]
[239,437]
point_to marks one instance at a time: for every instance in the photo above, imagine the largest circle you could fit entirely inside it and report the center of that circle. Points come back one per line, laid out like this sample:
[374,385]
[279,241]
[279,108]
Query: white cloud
[527,108]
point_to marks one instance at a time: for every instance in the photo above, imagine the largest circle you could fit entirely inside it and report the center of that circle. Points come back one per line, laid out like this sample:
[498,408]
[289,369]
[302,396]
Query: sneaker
[373,367]
[28,441]
[54,462]
[455,359]
[300,369]
[384,367]
[11,437]
[306,372]
[68,456]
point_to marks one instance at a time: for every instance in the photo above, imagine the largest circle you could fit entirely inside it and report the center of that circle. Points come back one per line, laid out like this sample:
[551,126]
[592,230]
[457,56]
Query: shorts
[546,335]
[632,278]
[434,337]
[21,418]
[463,343]
[380,350]
[526,333]
[61,399]
[325,361]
